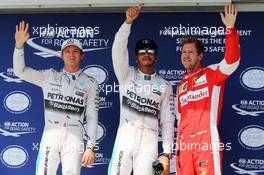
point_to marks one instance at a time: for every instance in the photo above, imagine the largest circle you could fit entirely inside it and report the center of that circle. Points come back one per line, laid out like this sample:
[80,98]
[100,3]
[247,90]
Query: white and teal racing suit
[69,100]
[146,105]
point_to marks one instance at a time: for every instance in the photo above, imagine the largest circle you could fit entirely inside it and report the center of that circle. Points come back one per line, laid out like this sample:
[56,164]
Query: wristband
[169,155]
[91,146]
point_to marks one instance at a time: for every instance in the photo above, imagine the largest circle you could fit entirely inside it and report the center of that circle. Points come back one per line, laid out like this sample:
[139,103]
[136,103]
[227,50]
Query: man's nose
[186,54]
[71,53]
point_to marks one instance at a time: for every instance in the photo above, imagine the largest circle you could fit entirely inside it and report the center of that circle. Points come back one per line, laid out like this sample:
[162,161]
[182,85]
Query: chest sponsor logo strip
[194,96]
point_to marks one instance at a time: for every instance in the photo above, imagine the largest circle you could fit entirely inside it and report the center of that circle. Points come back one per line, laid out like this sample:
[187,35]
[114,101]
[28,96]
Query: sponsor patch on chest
[183,87]
[79,93]
[200,80]
[194,96]
[83,84]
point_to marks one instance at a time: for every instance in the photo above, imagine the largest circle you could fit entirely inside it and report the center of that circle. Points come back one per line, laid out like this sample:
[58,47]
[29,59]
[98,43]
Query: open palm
[229,18]
[22,34]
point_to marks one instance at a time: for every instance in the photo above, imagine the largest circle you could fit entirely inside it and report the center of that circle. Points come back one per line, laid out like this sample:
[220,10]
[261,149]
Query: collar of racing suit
[146,76]
[72,75]
[194,72]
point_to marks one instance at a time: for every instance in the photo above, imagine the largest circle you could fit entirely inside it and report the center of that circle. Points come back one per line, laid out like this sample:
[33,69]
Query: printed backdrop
[21,112]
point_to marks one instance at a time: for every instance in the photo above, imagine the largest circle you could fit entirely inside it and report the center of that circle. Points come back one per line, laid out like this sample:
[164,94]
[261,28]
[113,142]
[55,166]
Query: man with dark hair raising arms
[146,103]
[200,96]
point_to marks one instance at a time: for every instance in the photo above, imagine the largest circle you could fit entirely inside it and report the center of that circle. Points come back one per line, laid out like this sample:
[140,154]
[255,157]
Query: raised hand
[22,34]
[132,13]
[229,18]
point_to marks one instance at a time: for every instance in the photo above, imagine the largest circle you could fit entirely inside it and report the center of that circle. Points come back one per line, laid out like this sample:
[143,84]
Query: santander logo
[194,96]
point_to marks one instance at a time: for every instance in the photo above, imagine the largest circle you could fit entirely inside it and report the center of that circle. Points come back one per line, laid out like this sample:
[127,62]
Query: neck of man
[193,68]
[71,69]
[147,69]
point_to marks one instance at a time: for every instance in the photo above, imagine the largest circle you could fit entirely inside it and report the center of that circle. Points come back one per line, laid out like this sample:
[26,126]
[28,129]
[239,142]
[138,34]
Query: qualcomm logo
[253,78]
[14,156]
[47,52]
[252,137]
[17,102]
[249,107]
[9,76]
[16,129]
[248,166]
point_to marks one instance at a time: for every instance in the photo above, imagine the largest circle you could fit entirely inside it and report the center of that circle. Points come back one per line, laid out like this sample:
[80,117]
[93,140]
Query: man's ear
[136,58]
[156,58]
[61,55]
[82,57]
[201,56]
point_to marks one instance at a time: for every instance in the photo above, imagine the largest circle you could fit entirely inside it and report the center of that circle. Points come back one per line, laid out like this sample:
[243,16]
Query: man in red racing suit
[200,97]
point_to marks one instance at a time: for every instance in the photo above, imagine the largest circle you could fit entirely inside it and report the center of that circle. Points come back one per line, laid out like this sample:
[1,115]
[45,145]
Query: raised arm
[232,53]
[119,49]
[232,49]
[20,69]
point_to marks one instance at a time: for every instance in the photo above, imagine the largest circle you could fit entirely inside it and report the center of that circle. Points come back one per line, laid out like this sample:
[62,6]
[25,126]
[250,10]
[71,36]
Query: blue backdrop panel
[21,114]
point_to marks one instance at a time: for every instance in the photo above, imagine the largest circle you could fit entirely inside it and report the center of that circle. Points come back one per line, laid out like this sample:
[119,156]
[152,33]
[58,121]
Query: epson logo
[98,72]
[253,78]
[17,102]
[252,137]
[14,156]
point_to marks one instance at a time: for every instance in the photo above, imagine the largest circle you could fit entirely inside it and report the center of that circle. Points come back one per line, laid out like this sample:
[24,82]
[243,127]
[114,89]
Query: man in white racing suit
[146,103]
[70,97]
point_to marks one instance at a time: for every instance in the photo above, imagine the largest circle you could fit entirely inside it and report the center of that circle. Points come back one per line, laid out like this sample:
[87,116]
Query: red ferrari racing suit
[200,97]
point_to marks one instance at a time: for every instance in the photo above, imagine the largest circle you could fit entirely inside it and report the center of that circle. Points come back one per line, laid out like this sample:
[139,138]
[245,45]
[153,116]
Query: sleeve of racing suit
[120,52]
[231,60]
[26,73]
[91,113]
[167,119]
